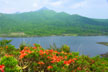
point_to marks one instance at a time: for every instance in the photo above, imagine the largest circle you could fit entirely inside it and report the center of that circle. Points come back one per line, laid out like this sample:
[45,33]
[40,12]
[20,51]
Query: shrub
[38,59]
[65,48]
[10,63]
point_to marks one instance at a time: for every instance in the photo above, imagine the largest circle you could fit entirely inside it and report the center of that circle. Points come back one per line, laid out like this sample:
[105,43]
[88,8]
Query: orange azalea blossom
[70,53]
[24,52]
[46,51]
[50,67]
[28,51]
[63,52]
[55,58]
[34,44]
[92,61]
[41,52]
[22,55]
[8,55]
[65,57]
[26,48]
[78,68]
[6,46]
[55,52]
[51,50]
[48,57]
[74,70]
[75,58]
[2,68]
[41,63]
[69,61]
[72,60]
[58,52]
[35,47]
[40,47]
[53,61]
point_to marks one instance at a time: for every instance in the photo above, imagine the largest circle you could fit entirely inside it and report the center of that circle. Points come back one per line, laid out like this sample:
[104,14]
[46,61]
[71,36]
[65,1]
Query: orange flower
[25,52]
[78,68]
[22,55]
[28,51]
[66,62]
[34,44]
[41,52]
[58,52]
[55,58]
[55,52]
[40,47]
[48,57]
[50,67]
[2,68]
[22,51]
[46,51]
[41,63]
[75,58]
[25,48]
[65,57]
[53,61]
[35,47]
[51,50]
[6,46]
[69,61]
[8,55]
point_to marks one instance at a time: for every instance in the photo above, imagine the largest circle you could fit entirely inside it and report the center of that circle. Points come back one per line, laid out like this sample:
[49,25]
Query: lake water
[84,44]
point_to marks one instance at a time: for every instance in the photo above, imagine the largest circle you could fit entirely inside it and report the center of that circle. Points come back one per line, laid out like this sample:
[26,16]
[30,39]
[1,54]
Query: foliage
[4,42]
[38,59]
[48,22]
[10,63]
[65,48]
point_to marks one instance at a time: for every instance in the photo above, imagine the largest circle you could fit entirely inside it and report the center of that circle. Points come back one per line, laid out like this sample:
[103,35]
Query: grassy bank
[103,43]
[28,35]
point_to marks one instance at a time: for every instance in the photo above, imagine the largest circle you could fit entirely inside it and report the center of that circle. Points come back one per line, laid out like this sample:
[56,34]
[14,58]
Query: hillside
[46,22]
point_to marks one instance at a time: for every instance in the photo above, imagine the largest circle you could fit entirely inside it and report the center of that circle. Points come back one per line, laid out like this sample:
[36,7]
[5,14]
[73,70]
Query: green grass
[103,43]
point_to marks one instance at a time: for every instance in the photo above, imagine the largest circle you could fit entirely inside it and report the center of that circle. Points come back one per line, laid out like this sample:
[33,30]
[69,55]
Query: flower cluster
[41,63]
[50,67]
[25,52]
[70,61]
[55,58]
[2,68]
[38,59]
[7,55]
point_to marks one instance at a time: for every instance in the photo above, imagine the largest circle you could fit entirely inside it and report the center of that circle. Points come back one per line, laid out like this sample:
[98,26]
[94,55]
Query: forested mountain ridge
[48,22]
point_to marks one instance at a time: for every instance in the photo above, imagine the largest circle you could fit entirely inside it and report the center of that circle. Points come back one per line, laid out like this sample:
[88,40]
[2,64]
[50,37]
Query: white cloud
[57,3]
[4,1]
[35,5]
[79,4]
[7,2]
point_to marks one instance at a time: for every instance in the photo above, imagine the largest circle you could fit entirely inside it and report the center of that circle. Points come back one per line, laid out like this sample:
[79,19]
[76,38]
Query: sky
[88,8]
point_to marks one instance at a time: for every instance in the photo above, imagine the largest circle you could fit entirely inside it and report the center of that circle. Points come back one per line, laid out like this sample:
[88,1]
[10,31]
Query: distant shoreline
[46,35]
[103,43]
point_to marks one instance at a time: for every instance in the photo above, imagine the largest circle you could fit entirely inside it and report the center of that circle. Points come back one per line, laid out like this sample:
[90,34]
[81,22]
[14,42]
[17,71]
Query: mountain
[48,22]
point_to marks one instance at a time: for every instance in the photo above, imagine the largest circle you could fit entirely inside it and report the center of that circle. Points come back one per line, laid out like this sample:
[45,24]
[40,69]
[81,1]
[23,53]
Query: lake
[86,45]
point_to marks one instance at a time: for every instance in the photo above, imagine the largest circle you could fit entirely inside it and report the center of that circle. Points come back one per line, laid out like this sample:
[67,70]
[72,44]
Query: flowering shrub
[65,48]
[38,59]
[10,63]
[2,68]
